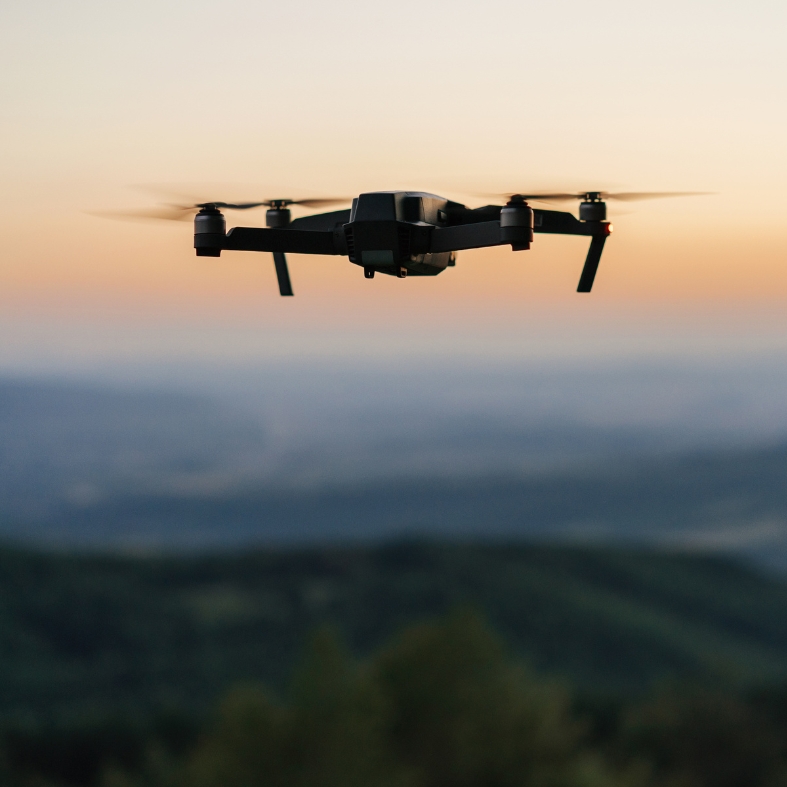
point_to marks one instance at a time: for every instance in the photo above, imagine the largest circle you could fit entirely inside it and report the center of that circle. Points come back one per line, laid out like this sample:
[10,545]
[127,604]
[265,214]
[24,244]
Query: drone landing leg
[591,263]
[283,273]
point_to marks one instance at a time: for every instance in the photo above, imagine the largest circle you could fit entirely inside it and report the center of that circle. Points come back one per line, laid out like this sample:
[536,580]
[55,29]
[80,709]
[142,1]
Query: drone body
[402,233]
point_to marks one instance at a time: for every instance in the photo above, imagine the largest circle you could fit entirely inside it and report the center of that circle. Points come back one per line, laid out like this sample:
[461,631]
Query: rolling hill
[93,635]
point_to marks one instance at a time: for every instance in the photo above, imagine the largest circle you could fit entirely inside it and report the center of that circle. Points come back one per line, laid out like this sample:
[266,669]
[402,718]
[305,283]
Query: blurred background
[483,470]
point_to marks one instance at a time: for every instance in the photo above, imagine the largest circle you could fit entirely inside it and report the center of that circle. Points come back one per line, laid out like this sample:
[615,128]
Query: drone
[402,233]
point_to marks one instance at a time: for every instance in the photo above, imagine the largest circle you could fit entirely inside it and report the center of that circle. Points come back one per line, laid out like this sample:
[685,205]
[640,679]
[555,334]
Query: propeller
[598,196]
[172,212]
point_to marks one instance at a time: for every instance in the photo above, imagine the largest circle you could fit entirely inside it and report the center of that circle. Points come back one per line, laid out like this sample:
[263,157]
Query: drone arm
[487,233]
[558,222]
[465,236]
[320,221]
[280,240]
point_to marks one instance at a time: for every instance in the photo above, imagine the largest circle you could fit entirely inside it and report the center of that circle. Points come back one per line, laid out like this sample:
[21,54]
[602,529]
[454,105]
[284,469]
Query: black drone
[402,233]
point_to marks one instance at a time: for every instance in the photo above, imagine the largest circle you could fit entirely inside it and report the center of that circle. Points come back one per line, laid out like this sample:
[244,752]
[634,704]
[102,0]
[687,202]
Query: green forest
[410,663]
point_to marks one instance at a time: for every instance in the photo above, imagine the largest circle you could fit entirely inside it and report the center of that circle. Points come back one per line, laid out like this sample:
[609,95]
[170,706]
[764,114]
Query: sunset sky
[246,99]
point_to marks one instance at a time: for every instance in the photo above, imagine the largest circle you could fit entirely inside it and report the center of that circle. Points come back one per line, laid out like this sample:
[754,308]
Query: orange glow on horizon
[313,100]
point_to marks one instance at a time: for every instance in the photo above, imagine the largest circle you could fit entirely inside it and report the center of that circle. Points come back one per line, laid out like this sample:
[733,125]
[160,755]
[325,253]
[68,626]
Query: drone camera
[209,231]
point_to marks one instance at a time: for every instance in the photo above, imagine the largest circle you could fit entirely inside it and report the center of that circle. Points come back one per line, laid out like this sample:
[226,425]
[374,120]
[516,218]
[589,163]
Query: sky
[107,106]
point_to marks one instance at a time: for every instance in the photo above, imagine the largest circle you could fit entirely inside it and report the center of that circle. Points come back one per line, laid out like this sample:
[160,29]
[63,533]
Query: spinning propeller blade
[160,213]
[622,196]
[313,203]
[169,212]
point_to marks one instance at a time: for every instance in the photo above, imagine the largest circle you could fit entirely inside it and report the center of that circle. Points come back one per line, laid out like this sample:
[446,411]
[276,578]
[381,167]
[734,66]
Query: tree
[332,735]
[442,707]
[708,739]
[462,716]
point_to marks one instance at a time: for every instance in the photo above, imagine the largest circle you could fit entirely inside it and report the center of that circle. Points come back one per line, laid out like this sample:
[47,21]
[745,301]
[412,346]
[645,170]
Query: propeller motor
[593,207]
[209,229]
[278,214]
[516,223]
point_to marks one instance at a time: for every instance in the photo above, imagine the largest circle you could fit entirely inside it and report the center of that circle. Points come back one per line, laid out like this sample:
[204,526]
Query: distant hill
[89,635]
[107,468]
[66,445]
[733,501]
[68,448]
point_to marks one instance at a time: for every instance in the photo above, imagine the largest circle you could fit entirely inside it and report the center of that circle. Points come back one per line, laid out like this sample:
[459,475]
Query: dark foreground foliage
[442,705]
[86,636]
